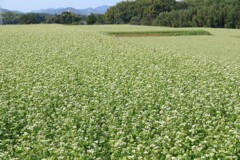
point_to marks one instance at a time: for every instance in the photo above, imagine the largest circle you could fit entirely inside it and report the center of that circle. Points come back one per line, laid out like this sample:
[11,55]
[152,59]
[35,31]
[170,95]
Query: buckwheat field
[68,92]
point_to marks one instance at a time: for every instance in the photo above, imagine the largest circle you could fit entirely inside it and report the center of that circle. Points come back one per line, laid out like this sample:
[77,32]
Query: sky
[29,5]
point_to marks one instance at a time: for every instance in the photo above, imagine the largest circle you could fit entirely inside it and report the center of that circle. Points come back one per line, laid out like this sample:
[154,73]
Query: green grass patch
[159,33]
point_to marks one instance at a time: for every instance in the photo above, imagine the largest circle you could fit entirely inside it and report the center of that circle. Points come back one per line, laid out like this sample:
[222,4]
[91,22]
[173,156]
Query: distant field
[223,47]
[73,92]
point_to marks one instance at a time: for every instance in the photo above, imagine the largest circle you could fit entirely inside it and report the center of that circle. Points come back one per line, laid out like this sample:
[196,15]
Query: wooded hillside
[184,13]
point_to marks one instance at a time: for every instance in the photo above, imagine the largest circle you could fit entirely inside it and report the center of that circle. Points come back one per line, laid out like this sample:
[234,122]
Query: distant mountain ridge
[7,10]
[86,11]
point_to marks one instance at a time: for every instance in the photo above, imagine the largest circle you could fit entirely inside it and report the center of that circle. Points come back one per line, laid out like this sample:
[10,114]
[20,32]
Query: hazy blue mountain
[55,11]
[86,11]
[4,10]
[7,10]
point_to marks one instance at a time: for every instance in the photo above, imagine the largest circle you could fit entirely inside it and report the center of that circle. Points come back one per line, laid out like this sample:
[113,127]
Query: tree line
[64,18]
[172,13]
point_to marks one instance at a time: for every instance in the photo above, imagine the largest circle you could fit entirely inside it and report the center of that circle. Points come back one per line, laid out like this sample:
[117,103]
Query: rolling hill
[85,11]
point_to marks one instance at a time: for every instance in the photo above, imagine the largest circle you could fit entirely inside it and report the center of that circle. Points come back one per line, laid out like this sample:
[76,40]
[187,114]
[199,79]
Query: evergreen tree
[91,19]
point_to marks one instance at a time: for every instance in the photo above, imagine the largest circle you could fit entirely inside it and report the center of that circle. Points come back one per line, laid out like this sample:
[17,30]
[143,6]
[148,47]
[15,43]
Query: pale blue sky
[29,5]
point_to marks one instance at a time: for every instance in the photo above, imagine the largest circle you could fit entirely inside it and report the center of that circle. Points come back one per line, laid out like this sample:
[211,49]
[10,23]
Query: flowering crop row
[68,93]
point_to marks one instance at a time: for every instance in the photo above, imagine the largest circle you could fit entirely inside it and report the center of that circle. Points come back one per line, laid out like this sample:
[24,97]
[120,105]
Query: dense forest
[184,13]
[64,18]
[172,13]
